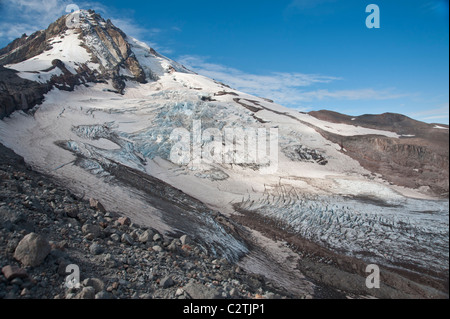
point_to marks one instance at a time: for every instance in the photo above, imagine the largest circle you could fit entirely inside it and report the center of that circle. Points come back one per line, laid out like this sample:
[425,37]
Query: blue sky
[304,54]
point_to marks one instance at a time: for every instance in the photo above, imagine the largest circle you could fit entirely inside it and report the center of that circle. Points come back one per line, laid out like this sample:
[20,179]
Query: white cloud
[310,7]
[352,95]
[289,89]
[303,4]
[437,7]
[131,28]
[441,113]
[31,14]
[275,85]
[28,16]
[14,31]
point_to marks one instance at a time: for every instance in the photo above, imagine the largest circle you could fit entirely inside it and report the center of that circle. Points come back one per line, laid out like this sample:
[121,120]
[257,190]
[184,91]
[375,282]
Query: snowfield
[343,129]
[66,48]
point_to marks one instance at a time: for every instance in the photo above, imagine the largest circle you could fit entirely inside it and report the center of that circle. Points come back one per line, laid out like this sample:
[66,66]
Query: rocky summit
[108,50]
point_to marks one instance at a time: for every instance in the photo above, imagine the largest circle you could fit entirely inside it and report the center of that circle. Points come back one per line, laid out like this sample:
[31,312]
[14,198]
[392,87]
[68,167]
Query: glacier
[116,148]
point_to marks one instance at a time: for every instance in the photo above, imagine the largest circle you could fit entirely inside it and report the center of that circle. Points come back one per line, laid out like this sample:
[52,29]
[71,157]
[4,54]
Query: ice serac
[109,105]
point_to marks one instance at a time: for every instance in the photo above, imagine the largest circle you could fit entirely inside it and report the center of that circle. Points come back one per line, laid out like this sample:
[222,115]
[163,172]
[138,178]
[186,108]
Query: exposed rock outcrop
[418,159]
[113,52]
[17,93]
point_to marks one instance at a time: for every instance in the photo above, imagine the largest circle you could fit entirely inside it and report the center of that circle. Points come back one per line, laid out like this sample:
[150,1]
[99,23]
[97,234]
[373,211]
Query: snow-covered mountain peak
[82,47]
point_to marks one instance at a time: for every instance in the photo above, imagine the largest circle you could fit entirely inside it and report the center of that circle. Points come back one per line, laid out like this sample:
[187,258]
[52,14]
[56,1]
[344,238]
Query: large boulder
[199,291]
[32,250]
[94,203]
[12,272]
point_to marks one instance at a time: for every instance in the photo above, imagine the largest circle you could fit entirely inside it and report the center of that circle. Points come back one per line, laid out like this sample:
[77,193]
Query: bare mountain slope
[419,158]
